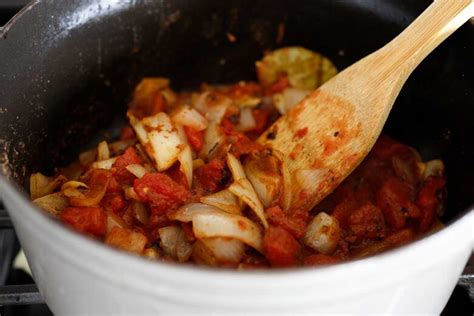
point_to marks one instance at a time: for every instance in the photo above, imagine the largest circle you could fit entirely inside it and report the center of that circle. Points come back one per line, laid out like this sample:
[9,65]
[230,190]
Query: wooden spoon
[329,133]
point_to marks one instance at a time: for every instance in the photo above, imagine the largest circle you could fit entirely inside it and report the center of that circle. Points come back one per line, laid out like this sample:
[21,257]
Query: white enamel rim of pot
[183,280]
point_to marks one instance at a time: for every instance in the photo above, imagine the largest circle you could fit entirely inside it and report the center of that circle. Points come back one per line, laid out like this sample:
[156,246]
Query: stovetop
[19,294]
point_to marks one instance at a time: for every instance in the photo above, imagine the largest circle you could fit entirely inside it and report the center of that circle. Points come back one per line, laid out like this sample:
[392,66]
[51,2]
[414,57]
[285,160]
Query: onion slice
[174,243]
[224,200]
[209,221]
[235,167]
[185,159]
[41,185]
[187,116]
[103,152]
[244,190]
[137,170]
[104,164]
[222,224]
[247,121]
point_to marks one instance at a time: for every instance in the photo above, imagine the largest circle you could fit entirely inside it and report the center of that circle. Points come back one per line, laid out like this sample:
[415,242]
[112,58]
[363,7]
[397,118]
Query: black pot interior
[67,70]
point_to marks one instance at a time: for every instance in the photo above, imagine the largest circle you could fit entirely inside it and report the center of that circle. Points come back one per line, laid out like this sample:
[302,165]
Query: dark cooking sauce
[188,181]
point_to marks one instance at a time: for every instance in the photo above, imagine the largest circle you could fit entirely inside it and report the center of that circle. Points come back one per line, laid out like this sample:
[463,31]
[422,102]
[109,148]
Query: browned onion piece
[224,200]
[103,152]
[96,191]
[263,171]
[174,243]
[114,220]
[137,170]
[41,185]
[53,203]
[225,250]
[104,164]
[244,190]
[187,116]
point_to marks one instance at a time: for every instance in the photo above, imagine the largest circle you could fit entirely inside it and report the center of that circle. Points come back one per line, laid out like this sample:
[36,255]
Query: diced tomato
[281,84]
[114,202]
[86,220]
[210,175]
[129,157]
[428,201]
[242,145]
[280,247]
[195,138]
[127,133]
[394,199]
[261,119]
[157,220]
[161,192]
[343,210]
[113,186]
[296,226]
[367,221]
[320,259]
[401,237]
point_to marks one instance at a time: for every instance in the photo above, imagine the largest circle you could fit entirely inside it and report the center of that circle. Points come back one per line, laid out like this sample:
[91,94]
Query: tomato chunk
[86,220]
[428,201]
[211,175]
[114,202]
[161,192]
[280,247]
[295,225]
[195,138]
[367,221]
[394,199]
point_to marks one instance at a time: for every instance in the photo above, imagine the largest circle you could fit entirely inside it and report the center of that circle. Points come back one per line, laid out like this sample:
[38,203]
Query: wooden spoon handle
[405,52]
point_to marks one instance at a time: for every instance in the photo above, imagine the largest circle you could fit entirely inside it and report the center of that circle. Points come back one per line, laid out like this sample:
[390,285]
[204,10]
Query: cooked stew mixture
[188,181]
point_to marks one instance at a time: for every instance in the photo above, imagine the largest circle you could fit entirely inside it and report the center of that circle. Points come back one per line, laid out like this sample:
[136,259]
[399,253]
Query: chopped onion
[104,164]
[434,168]
[53,203]
[186,164]
[209,221]
[151,253]
[222,224]
[73,192]
[285,171]
[186,212]
[137,170]
[130,194]
[197,163]
[141,212]
[224,200]
[114,220]
[174,243]
[287,99]
[263,172]
[323,234]
[309,179]
[214,138]
[41,185]
[96,191]
[138,128]
[74,185]
[235,167]
[187,116]
[247,121]
[219,251]
[103,152]
[213,105]
[244,190]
